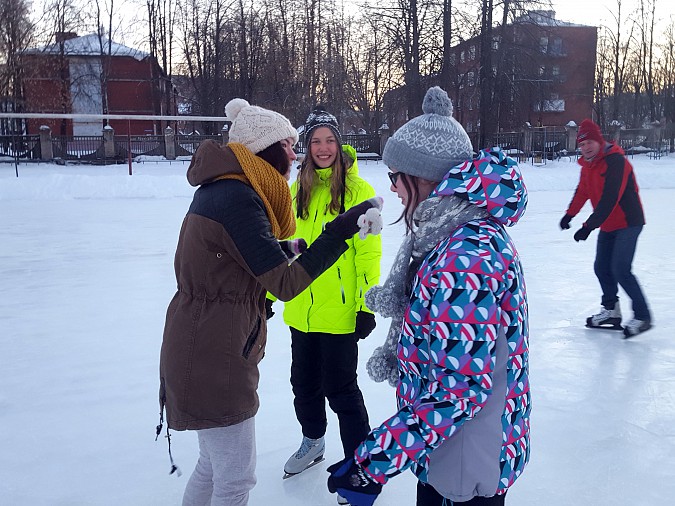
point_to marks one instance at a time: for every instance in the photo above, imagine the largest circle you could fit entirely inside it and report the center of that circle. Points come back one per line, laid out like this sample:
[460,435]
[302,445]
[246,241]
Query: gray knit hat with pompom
[429,145]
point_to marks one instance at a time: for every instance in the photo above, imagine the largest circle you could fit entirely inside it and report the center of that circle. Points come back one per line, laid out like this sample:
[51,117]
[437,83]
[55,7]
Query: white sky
[597,12]
[86,273]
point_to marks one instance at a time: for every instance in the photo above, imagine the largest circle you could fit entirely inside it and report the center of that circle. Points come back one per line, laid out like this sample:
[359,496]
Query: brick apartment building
[544,71]
[79,75]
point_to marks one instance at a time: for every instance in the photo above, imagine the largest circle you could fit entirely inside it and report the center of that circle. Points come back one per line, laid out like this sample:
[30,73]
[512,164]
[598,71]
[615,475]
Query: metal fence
[150,145]
[77,147]
[25,147]
[186,145]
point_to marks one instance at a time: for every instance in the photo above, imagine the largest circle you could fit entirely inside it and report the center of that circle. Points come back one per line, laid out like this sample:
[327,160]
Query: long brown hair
[307,179]
[410,184]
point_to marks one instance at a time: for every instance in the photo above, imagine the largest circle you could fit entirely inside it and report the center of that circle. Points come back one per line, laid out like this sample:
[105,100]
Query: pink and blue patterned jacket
[463,394]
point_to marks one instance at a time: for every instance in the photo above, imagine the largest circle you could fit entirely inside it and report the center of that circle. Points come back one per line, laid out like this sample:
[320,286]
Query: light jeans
[225,471]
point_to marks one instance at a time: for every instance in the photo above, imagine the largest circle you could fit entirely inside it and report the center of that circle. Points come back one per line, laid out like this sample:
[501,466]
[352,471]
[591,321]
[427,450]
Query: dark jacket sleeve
[244,218]
[611,191]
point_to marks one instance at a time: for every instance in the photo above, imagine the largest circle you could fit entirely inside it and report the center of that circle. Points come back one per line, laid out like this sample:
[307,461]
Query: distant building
[90,75]
[544,72]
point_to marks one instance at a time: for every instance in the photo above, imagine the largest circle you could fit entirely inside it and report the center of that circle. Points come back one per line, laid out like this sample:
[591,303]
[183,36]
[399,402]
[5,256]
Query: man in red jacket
[608,181]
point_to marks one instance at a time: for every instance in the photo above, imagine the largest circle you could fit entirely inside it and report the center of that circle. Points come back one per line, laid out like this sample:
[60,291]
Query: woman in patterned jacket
[457,349]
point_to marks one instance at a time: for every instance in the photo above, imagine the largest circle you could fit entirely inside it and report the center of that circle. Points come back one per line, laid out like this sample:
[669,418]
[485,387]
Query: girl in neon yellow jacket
[328,319]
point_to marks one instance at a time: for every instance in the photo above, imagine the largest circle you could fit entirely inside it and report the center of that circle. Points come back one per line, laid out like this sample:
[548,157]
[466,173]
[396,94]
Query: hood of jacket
[492,181]
[212,160]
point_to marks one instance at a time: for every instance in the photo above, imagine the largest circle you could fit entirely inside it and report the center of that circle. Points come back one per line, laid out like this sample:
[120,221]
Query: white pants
[225,471]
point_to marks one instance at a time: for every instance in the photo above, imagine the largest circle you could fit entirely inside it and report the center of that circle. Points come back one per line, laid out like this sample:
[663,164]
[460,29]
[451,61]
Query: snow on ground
[85,277]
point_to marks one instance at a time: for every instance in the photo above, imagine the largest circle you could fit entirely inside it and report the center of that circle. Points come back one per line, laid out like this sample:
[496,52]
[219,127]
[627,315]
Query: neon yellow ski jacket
[331,302]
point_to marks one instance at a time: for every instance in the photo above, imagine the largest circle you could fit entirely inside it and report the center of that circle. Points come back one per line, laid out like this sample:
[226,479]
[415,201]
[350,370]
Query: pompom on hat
[589,131]
[320,117]
[429,145]
[255,127]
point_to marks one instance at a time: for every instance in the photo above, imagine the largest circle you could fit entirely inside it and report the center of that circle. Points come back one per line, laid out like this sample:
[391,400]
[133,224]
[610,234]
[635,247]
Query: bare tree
[16,32]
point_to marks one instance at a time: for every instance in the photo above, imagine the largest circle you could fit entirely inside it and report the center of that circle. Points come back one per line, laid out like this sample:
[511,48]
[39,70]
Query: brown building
[89,75]
[543,71]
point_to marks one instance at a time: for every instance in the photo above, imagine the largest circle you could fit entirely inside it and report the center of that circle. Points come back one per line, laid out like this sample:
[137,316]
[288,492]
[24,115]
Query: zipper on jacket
[250,341]
[342,288]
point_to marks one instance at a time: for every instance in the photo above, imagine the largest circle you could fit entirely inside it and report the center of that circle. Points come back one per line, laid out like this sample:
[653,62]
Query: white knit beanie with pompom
[255,127]
[429,145]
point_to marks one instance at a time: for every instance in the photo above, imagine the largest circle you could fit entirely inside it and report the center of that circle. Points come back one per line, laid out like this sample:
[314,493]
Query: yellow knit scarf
[270,186]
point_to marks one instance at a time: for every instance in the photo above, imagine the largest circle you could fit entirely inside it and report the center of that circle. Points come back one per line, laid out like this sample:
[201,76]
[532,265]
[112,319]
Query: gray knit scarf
[435,219]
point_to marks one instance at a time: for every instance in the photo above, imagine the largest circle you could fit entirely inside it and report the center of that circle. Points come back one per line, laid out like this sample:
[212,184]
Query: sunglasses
[393,177]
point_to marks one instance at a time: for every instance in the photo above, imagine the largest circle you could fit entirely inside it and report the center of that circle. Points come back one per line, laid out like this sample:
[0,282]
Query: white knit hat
[429,145]
[255,127]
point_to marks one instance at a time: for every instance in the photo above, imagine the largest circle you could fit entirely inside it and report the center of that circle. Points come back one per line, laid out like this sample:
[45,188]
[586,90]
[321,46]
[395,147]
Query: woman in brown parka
[229,255]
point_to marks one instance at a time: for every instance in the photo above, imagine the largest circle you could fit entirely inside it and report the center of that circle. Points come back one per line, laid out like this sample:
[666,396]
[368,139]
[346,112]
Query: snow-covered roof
[89,45]
[543,18]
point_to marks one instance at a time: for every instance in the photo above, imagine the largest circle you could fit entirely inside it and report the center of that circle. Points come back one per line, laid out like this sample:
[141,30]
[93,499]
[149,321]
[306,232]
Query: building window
[453,59]
[462,56]
[542,71]
[495,43]
[557,46]
[555,70]
[543,44]
[470,79]
[472,52]
[461,81]
[557,105]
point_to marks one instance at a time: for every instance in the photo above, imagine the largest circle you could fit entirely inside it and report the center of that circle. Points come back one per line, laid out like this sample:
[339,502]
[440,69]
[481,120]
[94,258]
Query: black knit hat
[319,117]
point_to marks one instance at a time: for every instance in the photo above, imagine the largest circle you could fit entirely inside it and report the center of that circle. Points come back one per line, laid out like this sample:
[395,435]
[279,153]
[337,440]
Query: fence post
[225,133]
[572,130]
[615,132]
[527,138]
[657,126]
[169,144]
[384,132]
[46,150]
[108,142]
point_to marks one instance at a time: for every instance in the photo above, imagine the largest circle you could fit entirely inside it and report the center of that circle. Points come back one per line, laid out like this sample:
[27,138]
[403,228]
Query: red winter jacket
[609,182]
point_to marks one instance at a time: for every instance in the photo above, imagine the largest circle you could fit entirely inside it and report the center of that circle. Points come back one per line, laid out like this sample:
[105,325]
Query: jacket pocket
[251,340]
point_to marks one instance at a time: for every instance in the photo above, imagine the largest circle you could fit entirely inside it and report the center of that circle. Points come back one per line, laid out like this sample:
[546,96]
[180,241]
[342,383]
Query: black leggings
[428,496]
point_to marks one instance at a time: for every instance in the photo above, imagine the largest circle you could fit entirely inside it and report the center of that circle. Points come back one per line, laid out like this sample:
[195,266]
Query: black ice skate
[606,319]
[634,327]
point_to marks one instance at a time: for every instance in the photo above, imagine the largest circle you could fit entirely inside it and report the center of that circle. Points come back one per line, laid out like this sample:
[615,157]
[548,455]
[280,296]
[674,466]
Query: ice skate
[634,327]
[606,319]
[309,454]
[342,500]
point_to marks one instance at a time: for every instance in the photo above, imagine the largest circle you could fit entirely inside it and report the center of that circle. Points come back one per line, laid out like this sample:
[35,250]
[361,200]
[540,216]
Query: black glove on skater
[292,248]
[565,222]
[345,225]
[582,234]
[365,324]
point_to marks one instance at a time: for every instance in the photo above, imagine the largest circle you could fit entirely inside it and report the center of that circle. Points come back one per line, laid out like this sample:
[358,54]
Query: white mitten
[370,222]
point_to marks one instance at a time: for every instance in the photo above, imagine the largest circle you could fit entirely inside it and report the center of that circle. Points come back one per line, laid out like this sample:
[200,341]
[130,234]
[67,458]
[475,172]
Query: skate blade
[312,464]
[607,326]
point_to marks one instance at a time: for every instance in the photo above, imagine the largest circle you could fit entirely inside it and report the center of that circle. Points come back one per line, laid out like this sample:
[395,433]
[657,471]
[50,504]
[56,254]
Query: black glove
[365,324]
[582,234]
[349,480]
[345,225]
[293,247]
[269,312]
[565,222]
